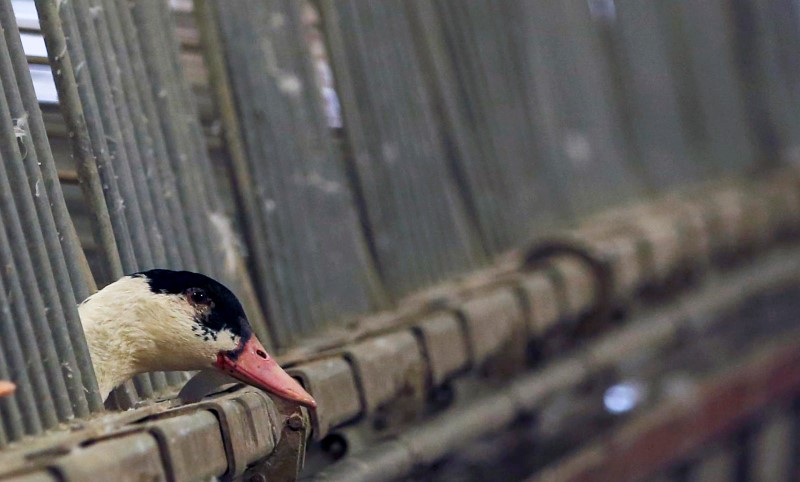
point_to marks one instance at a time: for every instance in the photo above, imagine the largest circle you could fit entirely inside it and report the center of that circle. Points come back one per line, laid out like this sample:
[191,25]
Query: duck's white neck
[131,330]
[113,361]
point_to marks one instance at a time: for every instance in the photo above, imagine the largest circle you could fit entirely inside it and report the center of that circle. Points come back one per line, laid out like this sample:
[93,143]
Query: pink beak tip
[254,367]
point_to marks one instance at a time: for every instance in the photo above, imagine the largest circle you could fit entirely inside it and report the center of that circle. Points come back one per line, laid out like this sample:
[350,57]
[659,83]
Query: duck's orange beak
[253,366]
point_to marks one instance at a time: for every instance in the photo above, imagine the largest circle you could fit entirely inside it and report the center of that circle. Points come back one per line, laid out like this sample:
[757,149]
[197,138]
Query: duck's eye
[198,296]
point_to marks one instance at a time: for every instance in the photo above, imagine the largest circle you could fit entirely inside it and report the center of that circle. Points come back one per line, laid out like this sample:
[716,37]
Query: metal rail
[422,446]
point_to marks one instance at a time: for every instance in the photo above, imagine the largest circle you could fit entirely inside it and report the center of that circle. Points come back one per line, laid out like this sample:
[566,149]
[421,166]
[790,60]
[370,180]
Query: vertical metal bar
[82,379]
[25,407]
[3,436]
[72,110]
[196,138]
[186,249]
[426,138]
[269,249]
[80,274]
[79,19]
[166,251]
[146,17]
[244,191]
[463,153]
[133,164]
[99,140]
[293,286]
[347,67]
[29,312]
[113,112]
[88,141]
[399,150]
[31,234]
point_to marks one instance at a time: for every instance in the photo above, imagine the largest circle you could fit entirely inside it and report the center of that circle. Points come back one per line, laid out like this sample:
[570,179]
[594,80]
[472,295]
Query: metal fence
[468,129]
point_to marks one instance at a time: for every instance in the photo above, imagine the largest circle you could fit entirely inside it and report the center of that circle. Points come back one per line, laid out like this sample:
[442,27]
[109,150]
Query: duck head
[177,320]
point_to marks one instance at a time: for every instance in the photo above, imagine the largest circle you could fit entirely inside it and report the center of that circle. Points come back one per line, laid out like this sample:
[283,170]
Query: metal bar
[427,443]
[11,418]
[78,18]
[244,189]
[196,138]
[283,305]
[99,141]
[32,237]
[462,149]
[357,114]
[512,172]
[122,148]
[133,164]
[379,59]
[18,413]
[407,127]
[146,17]
[81,381]
[76,95]
[154,54]
[311,262]
[165,253]
[81,276]
[180,232]
[72,110]
[293,215]
[51,395]
[294,289]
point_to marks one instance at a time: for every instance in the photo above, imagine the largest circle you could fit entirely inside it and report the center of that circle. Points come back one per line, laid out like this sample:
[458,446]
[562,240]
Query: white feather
[131,330]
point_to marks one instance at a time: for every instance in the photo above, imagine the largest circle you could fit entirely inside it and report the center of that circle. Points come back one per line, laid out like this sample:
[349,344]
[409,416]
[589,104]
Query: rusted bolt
[295,422]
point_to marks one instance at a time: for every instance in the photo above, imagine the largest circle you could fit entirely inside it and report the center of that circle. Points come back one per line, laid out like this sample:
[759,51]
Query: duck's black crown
[226,311]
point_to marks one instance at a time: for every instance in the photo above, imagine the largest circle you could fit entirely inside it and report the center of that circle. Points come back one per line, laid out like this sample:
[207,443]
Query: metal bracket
[286,461]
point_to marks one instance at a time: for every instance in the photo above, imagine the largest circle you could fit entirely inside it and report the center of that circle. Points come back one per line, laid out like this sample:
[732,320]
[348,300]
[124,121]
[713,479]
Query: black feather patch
[225,313]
